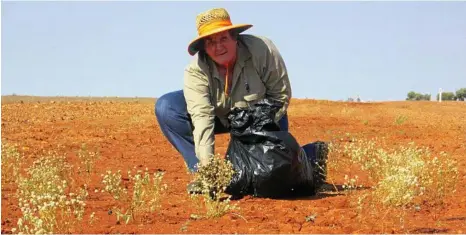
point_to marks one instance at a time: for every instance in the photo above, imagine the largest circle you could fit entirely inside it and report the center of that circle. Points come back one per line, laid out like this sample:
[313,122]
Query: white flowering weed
[46,204]
[406,174]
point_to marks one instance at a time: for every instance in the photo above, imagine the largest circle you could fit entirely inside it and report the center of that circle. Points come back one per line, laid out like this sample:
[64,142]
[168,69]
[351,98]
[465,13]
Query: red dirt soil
[127,135]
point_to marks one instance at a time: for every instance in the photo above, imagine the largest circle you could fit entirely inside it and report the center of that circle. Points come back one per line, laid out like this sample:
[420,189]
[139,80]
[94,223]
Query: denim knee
[162,107]
[170,110]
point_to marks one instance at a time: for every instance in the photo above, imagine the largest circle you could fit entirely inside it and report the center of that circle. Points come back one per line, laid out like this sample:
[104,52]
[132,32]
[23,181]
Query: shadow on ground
[429,230]
[327,190]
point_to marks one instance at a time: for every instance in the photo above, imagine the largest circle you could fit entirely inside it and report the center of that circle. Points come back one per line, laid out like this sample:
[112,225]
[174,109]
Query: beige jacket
[260,72]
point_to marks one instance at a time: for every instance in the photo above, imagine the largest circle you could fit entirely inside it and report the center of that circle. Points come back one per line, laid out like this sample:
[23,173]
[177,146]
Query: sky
[332,50]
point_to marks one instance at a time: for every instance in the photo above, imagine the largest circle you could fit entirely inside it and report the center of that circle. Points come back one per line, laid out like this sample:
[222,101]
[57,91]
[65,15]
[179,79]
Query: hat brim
[195,45]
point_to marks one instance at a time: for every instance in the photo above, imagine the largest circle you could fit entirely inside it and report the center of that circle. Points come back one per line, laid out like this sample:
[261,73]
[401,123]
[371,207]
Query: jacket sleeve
[275,77]
[197,95]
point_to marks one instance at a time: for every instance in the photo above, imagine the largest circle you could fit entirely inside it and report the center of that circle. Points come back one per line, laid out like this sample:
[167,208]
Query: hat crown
[212,15]
[210,22]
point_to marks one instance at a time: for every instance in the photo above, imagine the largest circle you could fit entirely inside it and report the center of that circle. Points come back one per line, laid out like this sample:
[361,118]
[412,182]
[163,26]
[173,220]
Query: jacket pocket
[251,97]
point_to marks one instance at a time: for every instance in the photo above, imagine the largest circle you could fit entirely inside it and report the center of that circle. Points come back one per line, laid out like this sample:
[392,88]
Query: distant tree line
[446,95]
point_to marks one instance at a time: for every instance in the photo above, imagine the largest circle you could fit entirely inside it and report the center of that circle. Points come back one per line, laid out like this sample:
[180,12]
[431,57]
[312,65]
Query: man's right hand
[203,161]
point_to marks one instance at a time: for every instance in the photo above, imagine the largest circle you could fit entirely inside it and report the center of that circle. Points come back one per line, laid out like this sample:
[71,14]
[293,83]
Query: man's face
[221,47]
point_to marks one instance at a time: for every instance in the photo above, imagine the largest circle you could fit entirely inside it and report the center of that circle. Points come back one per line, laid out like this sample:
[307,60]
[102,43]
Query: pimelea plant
[403,179]
[147,193]
[112,184]
[214,179]
[46,204]
[11,163]
[406,174]
[351,183]
[400,119]
[87,159]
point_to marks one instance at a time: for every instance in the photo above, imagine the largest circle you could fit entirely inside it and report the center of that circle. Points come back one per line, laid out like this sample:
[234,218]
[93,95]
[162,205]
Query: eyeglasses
[209,43]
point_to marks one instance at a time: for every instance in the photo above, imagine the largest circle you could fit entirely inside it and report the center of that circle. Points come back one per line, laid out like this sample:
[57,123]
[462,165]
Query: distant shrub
[447,96]
[418,96]
[461,94]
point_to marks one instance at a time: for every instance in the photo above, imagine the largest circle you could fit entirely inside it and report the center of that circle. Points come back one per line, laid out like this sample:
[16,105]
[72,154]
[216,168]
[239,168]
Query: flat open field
[127,136]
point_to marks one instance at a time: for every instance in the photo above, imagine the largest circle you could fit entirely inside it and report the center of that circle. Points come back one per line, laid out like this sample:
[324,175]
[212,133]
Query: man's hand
[203,161]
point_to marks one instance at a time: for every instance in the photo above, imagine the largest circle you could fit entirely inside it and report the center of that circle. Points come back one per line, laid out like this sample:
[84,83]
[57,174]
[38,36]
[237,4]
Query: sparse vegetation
[380,185]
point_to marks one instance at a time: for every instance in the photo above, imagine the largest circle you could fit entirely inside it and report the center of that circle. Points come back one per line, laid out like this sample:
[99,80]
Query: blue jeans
[175,123]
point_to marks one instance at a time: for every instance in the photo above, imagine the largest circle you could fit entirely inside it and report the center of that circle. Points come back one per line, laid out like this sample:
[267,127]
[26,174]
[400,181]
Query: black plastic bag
[268,162]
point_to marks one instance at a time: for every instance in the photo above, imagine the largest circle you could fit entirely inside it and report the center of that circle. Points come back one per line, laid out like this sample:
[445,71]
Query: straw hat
[210,22]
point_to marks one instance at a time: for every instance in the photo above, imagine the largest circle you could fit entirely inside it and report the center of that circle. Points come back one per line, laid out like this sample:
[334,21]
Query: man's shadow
[325,191]
[329,190]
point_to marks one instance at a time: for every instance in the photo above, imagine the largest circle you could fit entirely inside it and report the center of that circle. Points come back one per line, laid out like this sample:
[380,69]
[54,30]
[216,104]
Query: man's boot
[317,152]
[320,165]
